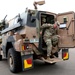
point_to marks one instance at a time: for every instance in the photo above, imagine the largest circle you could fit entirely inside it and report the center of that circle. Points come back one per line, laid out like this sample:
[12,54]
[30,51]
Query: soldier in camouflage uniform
[50,37]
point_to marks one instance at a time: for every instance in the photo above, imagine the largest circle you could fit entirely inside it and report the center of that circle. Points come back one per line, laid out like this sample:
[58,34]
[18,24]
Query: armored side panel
[14,26]
[67,29]
[13,23]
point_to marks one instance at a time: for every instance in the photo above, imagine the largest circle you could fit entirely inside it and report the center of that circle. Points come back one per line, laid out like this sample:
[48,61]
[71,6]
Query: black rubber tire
[0,57]
[17,61]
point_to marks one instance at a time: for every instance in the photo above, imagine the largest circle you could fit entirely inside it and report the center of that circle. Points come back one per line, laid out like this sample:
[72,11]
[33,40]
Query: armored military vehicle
[22,42]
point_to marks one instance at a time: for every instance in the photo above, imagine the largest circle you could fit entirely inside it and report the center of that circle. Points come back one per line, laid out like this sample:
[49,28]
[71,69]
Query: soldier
[55,38]
[50,37]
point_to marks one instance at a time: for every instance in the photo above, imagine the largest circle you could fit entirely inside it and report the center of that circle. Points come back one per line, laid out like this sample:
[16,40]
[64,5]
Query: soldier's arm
[41,32]
[46,26]
[57,31]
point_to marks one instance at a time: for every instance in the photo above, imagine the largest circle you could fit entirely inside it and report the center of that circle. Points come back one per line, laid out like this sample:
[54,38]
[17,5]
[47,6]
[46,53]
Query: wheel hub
[11,61]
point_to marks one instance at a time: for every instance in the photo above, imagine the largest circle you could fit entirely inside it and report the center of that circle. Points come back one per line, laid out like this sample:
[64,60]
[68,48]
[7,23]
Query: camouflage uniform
[50,37]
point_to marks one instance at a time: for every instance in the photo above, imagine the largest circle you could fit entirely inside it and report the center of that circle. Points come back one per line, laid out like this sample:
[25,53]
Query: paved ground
[40,68]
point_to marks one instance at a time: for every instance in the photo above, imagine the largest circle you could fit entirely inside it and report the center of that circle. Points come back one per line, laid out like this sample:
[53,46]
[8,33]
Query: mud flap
[65,54]
[53,60]
[27,62]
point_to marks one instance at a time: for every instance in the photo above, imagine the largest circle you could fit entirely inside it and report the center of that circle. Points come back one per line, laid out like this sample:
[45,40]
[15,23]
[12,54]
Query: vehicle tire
[0,57]
[14,61]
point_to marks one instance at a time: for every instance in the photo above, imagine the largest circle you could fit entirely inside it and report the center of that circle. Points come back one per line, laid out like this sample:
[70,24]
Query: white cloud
[13,7]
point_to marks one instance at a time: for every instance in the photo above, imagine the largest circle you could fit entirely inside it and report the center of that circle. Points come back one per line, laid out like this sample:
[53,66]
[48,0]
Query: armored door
[66,30]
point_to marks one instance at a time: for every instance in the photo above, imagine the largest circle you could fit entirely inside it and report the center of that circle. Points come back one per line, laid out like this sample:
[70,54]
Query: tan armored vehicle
[22,43]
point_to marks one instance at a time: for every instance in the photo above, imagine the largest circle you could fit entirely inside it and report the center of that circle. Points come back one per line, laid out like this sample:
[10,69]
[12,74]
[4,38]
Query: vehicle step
[52,60]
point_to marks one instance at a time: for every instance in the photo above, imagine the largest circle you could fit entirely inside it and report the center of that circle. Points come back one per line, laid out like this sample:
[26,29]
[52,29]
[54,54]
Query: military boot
[48,58]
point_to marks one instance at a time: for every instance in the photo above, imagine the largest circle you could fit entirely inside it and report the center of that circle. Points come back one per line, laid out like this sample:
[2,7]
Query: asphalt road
[40,68]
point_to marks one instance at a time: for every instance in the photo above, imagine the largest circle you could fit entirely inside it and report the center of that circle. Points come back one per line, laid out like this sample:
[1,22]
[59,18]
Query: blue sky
[13,7]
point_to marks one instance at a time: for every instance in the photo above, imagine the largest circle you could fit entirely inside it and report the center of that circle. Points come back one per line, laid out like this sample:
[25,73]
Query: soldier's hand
[41,33]
[58,36]
[55,26]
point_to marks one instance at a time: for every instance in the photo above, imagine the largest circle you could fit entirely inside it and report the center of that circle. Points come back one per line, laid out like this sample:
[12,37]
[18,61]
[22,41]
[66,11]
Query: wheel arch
[8,46]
